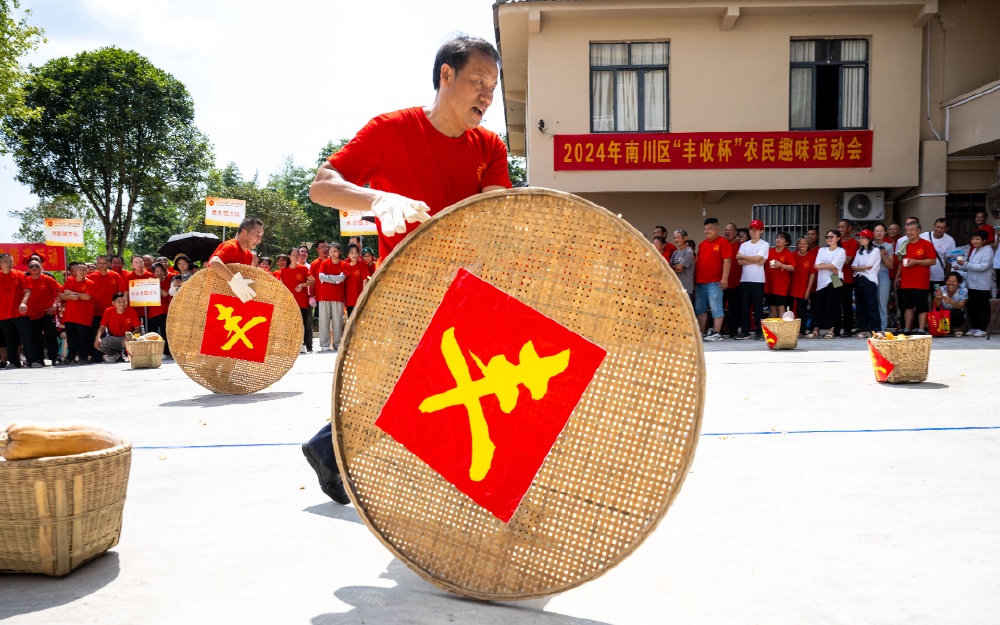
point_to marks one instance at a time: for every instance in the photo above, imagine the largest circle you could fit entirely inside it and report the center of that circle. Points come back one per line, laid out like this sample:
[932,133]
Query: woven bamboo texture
[145,354]
[626,449]
[57,513]
[910,358]
[786,332]
[186,328]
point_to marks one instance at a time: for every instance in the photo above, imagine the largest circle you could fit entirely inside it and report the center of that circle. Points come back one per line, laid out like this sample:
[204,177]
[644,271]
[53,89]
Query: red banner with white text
[53,258]
[713,150]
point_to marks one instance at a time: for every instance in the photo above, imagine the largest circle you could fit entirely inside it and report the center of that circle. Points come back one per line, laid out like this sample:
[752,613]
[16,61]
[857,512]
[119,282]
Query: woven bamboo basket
[624,452]
[786,332]
[145,354]
[186,323]
[57,513]
[910,358]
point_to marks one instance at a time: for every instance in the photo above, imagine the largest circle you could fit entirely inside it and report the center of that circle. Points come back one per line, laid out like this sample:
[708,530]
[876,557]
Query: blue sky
[268,80]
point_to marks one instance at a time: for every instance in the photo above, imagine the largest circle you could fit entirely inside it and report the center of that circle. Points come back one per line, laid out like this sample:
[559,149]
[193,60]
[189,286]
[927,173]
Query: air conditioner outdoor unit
[862,205]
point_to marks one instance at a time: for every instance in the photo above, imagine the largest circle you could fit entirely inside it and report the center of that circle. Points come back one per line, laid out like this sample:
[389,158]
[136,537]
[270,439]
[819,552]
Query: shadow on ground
[927,386]
[413,600]
[333,510]
[217,399]
[24,594]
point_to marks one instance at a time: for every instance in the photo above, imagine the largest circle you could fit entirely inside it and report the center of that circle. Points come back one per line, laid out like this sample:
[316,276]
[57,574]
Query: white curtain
[803,51]
[801,112]
[854,50]
[602,105]
[604,54]
[627,115]
[655,100]
[852,85]
[650,53]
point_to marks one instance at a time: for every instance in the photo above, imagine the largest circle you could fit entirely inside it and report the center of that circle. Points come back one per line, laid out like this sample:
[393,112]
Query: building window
[628,87]
[829,85]
[795,219]
[961,209]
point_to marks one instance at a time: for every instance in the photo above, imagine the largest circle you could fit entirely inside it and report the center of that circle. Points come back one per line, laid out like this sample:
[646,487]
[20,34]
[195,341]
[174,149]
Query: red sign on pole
[53,258]
[713,150]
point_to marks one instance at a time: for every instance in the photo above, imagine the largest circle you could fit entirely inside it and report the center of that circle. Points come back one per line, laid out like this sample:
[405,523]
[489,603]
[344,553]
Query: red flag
[237,330]
[880,365]
[487,391]
[769,337]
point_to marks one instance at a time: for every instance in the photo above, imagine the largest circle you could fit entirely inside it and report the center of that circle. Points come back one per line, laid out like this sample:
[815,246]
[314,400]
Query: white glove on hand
[241,288]
[395,211]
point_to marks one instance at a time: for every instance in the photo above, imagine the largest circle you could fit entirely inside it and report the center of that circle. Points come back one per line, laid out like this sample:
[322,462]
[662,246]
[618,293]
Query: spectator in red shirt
[711,278]
[778,275]
[356,273]
[368,258]
[803,279]
[298,280]
[264,262]
[15,291]
[668,248]
[892,233]
[77,295]
[106,284]
[118,265]
[330,297]
[238,250]
[731,297]
[980,224]
[157,315]
[119,322]
[41,310]
[850,245]
[914,282]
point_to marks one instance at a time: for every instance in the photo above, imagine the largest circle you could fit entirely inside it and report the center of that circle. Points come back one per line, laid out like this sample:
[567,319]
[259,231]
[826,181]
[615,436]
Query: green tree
[111,128]
[292,182]
[516,166]
[285,223]
[32,218]
[17,38]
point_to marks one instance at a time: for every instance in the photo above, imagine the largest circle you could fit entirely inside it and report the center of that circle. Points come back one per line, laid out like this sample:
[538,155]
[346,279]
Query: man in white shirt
[943,245]
[751,257]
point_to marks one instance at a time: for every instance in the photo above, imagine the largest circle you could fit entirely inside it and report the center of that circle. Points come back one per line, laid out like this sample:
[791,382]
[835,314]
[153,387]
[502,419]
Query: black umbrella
[197,245]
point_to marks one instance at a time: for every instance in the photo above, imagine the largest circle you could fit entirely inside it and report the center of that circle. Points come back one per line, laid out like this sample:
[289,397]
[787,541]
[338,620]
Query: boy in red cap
[751,257]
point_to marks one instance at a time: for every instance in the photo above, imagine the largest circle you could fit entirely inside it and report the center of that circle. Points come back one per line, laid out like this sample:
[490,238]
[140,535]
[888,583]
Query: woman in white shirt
[829,268]
[866,264]
[978,281]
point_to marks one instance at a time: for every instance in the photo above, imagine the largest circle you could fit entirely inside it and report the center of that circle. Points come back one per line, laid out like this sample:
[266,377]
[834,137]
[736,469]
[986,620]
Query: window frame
[641,94]
[866,64]
[783,217]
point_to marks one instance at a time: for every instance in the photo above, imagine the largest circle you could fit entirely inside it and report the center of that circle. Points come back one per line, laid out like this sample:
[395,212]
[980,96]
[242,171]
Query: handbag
[939,321]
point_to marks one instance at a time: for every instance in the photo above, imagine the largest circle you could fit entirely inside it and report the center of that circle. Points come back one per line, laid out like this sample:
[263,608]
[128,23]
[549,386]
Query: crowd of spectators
[850,283]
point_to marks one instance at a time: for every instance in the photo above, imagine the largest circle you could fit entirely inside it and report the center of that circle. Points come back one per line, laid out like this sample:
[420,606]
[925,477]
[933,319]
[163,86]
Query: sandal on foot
[828,335]
[811,335]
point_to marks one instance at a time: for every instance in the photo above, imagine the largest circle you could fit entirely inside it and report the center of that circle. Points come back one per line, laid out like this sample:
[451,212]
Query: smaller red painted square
[487,391]
[237,330]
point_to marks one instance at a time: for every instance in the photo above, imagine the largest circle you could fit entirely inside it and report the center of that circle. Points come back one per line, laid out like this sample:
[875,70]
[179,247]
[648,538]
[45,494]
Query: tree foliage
[32,218]
[17,38]
[516,166]
[111,128]
[292,182]
[285,224]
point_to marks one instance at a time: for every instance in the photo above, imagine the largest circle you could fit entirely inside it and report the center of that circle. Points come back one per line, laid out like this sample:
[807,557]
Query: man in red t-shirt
[298,279]
[850,245]
[356,273]
[731,296]
[668,248]
[711,279]
[15,291]
[41,311]
[913,284]
[120,322]
[417,162]
[238,250]
[77,295]
[330,294]
[106,284]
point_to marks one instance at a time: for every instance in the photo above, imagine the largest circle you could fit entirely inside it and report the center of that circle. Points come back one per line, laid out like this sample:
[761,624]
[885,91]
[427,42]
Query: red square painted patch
[236,330]
[487,391]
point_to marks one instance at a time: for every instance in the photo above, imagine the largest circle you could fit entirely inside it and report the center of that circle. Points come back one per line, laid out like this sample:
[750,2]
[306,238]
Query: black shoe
[758,337]
[330,482]
[741,337]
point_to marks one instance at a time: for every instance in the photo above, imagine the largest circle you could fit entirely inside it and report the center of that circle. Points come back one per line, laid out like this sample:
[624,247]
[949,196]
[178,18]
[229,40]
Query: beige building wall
[722,80]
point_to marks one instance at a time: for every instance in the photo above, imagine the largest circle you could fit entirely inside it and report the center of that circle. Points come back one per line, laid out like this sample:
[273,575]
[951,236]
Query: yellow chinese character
[232,325]
[689,150]
[767,149]
[837,149]
[632,152]
[785,147]
[819,148]
[500,378]
[802,149]
[725,150]
[615,151]
[705,150]
[663,151]
[751,152]
[854,149]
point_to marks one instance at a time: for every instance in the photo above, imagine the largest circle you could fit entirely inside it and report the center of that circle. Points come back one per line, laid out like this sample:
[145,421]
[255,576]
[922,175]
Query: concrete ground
[817,496]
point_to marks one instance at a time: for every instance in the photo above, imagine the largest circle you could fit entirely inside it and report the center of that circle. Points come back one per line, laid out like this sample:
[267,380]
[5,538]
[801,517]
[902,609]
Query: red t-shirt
[321,289]
[291,278]
[917,276]
[12,288]
[708,264]
[355,281]
[735,269]
[131,275]
[850,246]
[231,252]
[118,325]
[777,281]
[402,152]
[991,232]
[156,311]
[668,251]
[800,277]
[105,288]
[337,292]
[44,290]
[78,310]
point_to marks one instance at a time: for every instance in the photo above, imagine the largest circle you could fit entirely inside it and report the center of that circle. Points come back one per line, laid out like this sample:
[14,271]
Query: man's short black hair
[711,220]
[456,54]
[941,220]
[249,223]
[117,295]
